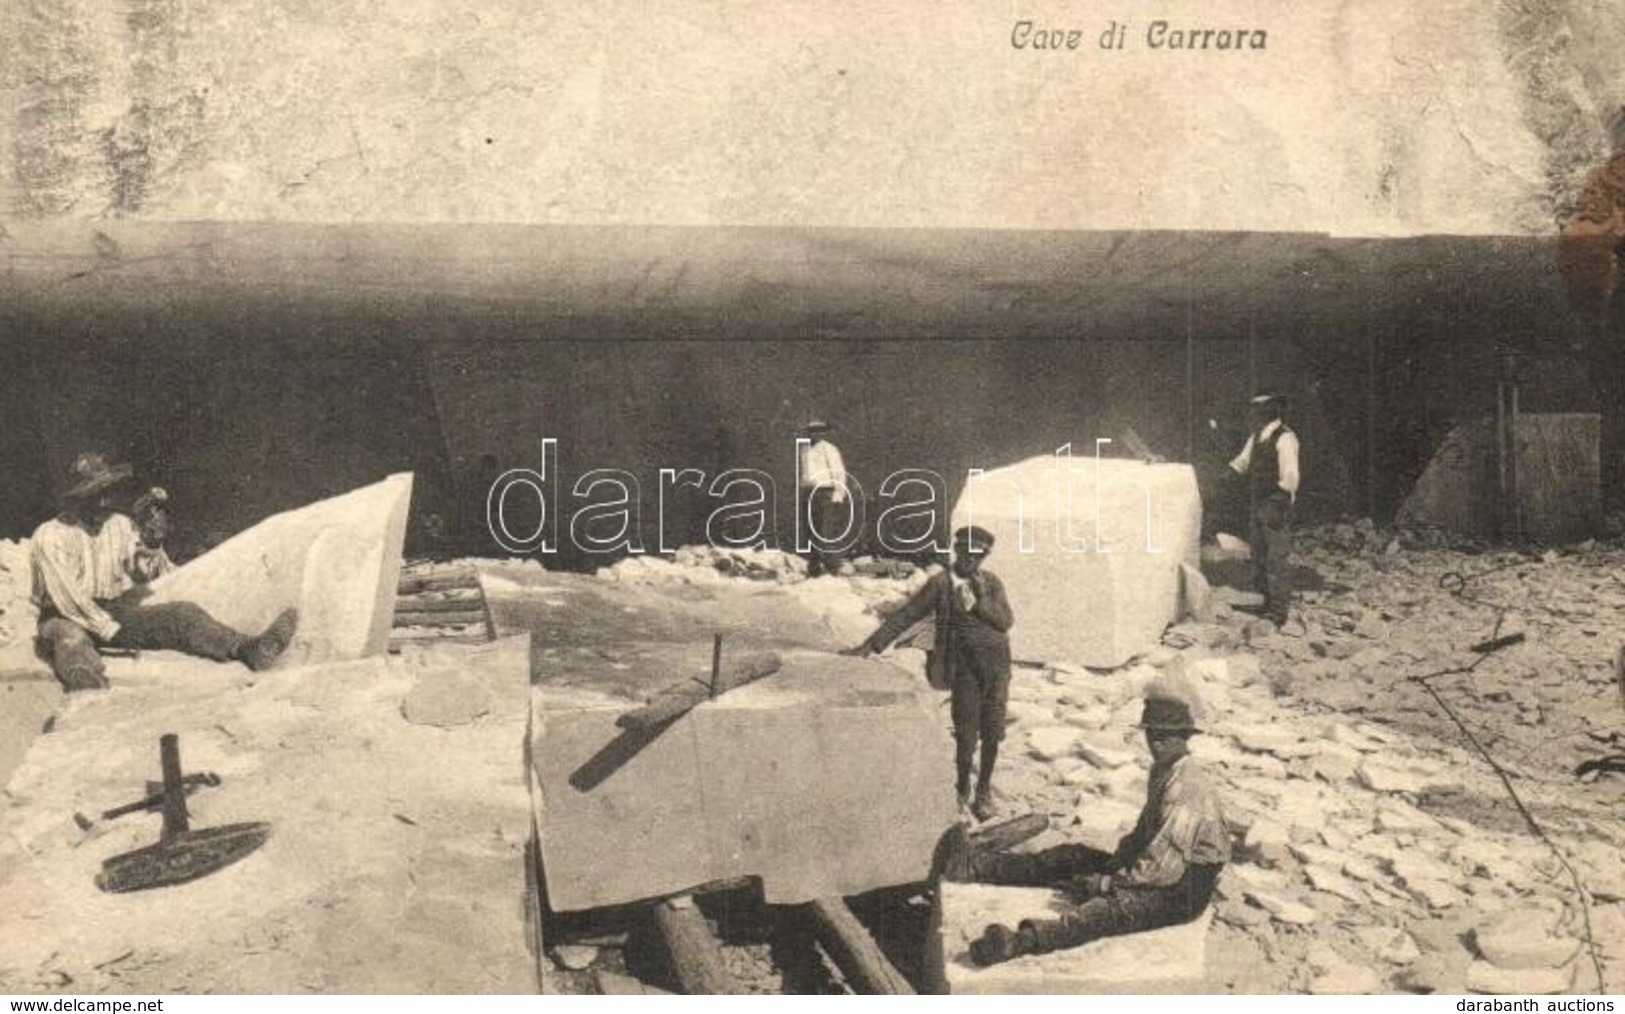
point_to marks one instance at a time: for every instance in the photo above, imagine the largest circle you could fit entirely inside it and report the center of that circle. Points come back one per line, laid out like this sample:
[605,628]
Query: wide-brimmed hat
[1171,702]
[817,426]
[91,473]
[974,537]
[1167,714]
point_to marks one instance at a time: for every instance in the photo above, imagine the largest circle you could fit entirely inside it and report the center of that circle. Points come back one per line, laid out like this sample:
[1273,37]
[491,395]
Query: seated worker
[91,566]
[973,645]
[1162,873]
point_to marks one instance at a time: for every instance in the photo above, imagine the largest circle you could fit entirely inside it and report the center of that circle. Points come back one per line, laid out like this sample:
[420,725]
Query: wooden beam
[693,953]
[439,602]
[442,619]
[854,951]
[1009,833]
[412,583]
[675,703]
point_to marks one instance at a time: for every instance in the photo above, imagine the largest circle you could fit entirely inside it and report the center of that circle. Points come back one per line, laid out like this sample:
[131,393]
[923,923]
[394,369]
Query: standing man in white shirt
[822,477]
[1269,462]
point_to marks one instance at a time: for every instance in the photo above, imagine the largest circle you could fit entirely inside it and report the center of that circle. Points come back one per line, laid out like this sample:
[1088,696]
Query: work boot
[1000,943]
[982,805]
[82,677]
[258,653]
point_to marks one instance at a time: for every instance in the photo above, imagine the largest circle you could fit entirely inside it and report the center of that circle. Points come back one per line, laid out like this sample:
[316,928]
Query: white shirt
[1286,454]
[821,466]
[73,570]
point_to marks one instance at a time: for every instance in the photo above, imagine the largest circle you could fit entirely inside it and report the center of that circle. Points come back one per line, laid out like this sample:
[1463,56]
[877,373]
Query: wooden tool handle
[671,706]
[175,816]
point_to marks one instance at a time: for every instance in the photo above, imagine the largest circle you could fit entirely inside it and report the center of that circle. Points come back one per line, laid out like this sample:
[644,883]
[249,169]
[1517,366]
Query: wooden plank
[412,583]
[439,602]
[1009,833]
[673,704]
[854,951]
[694,954]
[443,619]
[400,639]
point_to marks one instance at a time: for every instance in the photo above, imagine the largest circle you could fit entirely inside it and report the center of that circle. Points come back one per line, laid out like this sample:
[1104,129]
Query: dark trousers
[1270,538]
[1121,910]
[174,626]
[825,521]
[980,699]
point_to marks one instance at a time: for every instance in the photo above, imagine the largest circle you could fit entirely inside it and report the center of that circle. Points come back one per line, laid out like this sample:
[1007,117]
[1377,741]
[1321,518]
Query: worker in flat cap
[970,657]
[91,565]
[821,476]
[1162,873]
[1269,464]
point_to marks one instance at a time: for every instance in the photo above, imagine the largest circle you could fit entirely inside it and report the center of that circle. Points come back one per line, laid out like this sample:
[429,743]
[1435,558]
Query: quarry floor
[1377,850]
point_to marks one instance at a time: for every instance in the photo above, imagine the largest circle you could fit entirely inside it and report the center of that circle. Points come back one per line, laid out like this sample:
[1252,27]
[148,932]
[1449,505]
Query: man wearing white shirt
[822,476]
[1269,462]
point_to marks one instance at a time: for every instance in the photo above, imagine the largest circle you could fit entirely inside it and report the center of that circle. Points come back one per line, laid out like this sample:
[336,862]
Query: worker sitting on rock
[91,566]
[972,644]
[1162,873]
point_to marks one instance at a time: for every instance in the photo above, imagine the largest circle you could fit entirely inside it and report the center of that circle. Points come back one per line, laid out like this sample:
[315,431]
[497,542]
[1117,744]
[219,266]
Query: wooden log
[1009,833]
[401,639]
[694,954]
[866,967]
[673,704]
[417,619]
[412,583]
[441,603]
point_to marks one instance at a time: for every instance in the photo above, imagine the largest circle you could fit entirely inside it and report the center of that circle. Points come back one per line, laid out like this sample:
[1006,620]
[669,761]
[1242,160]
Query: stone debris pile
[702,565]
[1377,852]
[866,588]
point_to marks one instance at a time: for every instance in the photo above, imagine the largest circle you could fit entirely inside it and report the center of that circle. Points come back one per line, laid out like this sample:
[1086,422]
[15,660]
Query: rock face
[1090,552]
[1558,472]
[338,561]
[1164,959]
[166,116]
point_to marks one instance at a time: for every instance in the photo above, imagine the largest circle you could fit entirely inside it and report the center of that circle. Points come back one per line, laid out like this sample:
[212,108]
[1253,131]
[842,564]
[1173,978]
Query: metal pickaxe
[153,800]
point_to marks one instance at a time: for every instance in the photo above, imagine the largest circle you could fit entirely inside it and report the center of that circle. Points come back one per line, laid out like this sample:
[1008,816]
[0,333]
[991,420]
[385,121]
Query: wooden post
[1503,488]
[852,948]
[1512,456]
[694,954]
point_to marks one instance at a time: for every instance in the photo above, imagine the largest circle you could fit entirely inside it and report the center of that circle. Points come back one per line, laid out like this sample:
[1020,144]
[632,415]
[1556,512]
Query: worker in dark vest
[1269,464]
[973,619]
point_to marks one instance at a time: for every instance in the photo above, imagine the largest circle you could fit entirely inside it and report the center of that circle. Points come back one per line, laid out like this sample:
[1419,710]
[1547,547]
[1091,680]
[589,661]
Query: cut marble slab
[831,777]
[338,561]
[1089,552]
